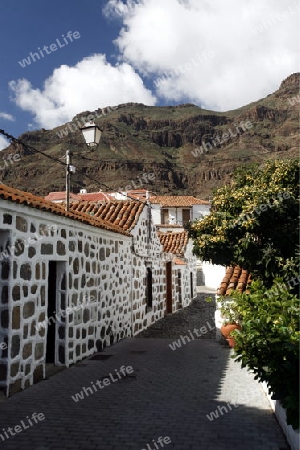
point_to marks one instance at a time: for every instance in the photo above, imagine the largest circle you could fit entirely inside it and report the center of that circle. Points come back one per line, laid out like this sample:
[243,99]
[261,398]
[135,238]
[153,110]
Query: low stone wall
[293,436]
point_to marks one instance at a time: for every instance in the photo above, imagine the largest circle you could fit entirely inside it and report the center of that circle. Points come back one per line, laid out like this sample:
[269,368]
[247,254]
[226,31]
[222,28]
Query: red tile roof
[33,201]
[179,201]
[179,262]
[123,213]
[170,225]
[60,196]
[92,196]
[174,242]
[95,197]
[139,193]
[235,278]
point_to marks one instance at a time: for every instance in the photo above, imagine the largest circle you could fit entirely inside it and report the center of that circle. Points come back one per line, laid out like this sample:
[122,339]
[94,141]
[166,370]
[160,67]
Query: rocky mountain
[188,149]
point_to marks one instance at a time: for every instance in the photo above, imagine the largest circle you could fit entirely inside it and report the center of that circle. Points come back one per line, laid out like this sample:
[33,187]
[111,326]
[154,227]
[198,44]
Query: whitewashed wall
[99,291]
[94,275]
[147,253]
[175,214]
[181,278]
[155,211]
[213,274]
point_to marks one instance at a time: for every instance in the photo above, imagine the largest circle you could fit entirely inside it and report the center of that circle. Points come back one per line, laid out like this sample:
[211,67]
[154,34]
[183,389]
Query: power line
[33,149]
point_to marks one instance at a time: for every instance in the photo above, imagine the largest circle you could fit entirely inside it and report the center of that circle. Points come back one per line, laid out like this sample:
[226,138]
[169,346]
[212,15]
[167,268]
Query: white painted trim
[293,436]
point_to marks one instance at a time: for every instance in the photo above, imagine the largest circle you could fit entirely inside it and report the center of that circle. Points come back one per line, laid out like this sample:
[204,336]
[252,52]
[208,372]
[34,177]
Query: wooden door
[186,216]
[169,305]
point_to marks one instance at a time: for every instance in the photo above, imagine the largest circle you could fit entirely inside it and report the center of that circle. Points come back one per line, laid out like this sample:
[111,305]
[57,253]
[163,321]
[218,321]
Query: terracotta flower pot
[227,329]
[230,341]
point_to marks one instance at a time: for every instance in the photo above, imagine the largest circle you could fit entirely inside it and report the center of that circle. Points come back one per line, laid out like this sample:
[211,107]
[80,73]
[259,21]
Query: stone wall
[189,275]
[147,255]
[68,289]
[184,278]
[86,271]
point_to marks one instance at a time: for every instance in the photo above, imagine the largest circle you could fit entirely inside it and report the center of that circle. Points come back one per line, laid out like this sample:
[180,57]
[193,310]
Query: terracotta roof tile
[179,262]
[177,200]
[170,225]
[124,213]
[95,197]
[235,278]
[174,242]
[14,195]
[56,196]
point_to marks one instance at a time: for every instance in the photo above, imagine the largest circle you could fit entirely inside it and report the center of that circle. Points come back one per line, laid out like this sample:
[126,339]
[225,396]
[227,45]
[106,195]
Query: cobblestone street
[196,396]
[198,314]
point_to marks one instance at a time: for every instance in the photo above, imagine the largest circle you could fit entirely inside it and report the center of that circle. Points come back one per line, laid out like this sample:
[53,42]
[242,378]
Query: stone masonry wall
[68,289]
[182,276]
[92,291]
[147,253]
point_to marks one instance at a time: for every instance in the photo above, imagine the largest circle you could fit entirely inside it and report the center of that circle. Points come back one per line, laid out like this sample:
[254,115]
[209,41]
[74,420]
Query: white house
[170,212]
[180,269]
[72,283]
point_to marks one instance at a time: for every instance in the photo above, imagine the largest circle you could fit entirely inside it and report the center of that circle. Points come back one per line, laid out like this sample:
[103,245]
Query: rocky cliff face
[188,149]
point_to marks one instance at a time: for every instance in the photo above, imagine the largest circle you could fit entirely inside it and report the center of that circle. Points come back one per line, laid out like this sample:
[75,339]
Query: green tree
[254,222]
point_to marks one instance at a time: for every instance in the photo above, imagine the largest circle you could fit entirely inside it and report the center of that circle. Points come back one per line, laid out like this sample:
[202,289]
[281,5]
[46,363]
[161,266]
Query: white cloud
[7,116]
[3,143]
[116,8]
[91,84]
[255,46]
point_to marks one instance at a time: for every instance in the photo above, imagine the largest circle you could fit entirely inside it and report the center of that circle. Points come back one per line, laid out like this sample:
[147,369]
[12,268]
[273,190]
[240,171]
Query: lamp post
[69,169]
[92,136]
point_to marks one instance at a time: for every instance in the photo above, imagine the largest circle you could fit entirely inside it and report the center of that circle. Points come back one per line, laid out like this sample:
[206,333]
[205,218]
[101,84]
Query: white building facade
[72,284]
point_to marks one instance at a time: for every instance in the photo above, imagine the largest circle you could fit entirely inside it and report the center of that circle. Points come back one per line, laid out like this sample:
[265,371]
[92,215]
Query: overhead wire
[57,160]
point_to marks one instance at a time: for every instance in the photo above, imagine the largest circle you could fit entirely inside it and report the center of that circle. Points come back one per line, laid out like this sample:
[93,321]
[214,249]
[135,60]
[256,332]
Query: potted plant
[232,318]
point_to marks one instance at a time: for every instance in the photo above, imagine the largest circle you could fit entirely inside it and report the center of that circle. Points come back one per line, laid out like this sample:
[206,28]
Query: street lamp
[92,136]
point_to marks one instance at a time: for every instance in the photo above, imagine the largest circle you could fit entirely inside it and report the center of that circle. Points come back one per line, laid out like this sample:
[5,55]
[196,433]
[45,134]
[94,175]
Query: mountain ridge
[162,140]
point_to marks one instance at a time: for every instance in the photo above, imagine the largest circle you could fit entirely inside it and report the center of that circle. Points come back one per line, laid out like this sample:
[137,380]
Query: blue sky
[219,54]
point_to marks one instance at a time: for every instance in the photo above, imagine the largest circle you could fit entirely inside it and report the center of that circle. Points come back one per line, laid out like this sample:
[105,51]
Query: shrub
[268,343]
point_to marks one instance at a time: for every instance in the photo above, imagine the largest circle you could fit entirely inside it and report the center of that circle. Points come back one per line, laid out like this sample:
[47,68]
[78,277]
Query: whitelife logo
[161,441]
[206,146]
[106,381]
[202,330]
[36,417]
[72,126]
[53,47]
[10,160]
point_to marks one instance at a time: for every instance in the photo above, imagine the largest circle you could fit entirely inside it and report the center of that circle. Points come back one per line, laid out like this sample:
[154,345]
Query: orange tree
[254,222]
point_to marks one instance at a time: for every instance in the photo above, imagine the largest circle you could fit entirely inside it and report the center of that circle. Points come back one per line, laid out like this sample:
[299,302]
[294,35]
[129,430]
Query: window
[164,216]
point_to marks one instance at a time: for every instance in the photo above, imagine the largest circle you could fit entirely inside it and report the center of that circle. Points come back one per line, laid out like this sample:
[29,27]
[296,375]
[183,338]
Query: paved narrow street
[192,396]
